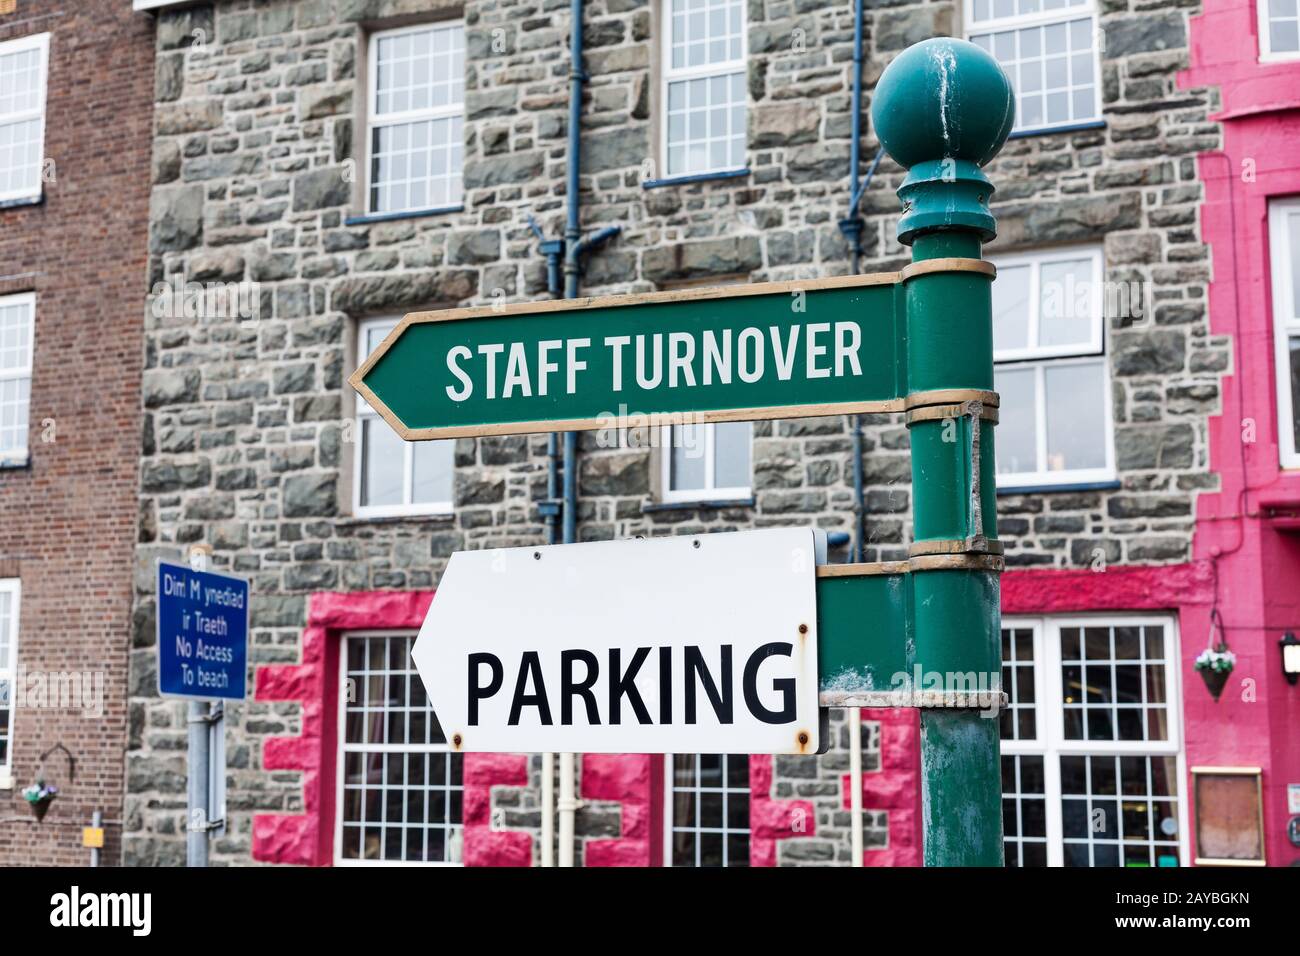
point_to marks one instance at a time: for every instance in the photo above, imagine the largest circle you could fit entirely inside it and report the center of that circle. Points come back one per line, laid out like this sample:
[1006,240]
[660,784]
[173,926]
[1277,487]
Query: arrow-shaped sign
[702,643]
[735,353]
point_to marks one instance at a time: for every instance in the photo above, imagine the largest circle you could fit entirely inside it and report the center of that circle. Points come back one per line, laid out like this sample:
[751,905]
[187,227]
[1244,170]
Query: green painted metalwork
[961,792]
[864,633]
[944,113]
[899,633]
[943,108]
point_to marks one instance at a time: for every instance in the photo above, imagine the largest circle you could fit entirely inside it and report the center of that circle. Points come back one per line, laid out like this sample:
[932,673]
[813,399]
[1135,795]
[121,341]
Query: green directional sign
[778,349]
[737,353]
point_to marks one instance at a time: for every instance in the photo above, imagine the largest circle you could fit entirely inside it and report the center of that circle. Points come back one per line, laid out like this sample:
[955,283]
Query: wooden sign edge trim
[617,301]
[549,306]
[651,419]
[971,561]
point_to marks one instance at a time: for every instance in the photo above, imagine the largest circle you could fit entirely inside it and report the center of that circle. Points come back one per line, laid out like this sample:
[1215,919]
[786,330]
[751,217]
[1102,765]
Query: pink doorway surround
[307,838]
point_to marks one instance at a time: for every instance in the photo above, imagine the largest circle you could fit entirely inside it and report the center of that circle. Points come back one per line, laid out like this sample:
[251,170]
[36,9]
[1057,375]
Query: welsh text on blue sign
[202,634]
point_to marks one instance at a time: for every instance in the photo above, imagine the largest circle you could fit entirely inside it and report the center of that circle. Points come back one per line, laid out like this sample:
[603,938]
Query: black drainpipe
[568,252]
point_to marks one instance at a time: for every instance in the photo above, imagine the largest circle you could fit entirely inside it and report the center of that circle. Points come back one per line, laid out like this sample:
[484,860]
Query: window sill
[15,462]
[1048,130]
[151,5]
[694,178]
[433,517]
[38,200]
[1042,489]
[649,507]
[368,218]
[6,782]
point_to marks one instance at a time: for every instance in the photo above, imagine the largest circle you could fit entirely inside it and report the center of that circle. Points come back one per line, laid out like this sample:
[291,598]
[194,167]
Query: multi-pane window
[1279,29]
[9,593]
[1284,243]
[23,64]
[1114,682]
[1019,680]
[1051,373]
[704,86]
[400,786]
[707,462]
[392,476]
[1049,51]
[706,813]
[17,326]
[416,118]
[1024,810]
[1120,810]
[1092,777]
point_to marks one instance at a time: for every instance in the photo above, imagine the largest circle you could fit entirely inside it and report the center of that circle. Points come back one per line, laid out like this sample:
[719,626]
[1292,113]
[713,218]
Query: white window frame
[709,492]
[343,748]
[39,41]
[668,803]
[13,587]
[1040,358]
[1266,54]
[1049,724]
[375,120]
[1285,324]
[19,456]
[364,413]
[672,75]
[1043,18]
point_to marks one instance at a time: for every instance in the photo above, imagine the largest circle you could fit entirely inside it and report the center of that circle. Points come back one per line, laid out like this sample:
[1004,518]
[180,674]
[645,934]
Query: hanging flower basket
[1214,664]
[39,796]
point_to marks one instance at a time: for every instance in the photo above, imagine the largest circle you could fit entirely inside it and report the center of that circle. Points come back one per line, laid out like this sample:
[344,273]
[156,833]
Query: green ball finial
[943,99]
[942,109]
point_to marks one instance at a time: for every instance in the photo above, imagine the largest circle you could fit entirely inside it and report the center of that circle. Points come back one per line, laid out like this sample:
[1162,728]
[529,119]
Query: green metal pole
[942,109]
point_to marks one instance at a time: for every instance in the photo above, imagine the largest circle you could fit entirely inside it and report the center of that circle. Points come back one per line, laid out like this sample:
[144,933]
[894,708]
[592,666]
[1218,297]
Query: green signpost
[923,632]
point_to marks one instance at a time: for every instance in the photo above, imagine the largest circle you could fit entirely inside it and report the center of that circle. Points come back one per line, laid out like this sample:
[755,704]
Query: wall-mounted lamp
[1290,657]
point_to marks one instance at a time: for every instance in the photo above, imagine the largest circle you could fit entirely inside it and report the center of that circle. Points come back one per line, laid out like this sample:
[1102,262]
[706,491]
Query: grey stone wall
[817,779]
[247,443]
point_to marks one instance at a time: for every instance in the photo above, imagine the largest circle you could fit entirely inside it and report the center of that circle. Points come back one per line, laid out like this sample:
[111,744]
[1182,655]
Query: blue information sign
[202,634]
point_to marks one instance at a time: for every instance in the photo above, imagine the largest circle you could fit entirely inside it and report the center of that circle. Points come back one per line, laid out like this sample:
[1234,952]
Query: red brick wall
[67,522]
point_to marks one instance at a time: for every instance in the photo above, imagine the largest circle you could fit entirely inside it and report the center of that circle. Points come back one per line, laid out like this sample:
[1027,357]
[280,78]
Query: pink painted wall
[484,845]
[770,819]
[635,781]
[895,787]
[307,838]
[1241,530]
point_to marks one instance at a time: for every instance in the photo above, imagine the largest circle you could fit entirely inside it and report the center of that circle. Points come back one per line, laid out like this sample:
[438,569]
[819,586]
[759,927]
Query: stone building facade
[250,435]
[75,115]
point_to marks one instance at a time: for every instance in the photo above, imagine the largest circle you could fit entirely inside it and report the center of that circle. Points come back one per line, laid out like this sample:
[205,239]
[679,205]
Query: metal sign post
[924,632]
[942,109]
[198,768]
